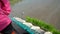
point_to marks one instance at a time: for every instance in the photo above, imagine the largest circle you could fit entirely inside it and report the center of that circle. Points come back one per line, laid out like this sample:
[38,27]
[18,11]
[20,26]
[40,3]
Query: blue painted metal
[20,24]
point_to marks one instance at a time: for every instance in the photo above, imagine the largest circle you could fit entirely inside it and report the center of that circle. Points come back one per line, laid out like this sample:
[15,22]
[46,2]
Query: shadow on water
[46,10]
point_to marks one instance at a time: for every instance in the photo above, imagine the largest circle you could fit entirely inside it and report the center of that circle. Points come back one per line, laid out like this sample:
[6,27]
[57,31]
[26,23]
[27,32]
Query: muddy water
[46,10]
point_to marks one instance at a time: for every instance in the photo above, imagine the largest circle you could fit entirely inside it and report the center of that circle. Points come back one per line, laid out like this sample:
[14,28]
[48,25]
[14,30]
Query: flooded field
[46,10]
